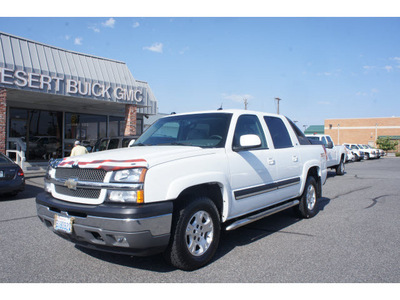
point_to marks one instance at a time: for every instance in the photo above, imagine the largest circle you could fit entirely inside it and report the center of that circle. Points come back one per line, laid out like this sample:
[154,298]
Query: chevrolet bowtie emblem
[71,183]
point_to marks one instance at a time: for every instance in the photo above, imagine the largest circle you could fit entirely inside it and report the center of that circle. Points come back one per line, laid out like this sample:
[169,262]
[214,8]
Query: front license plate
[62,223]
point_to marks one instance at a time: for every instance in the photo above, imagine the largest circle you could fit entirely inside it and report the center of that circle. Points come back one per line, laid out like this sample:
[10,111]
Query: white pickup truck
[184,180]
[336,154]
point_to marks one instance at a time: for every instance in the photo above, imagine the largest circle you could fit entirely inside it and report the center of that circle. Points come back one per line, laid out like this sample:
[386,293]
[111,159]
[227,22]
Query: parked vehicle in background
[185,179]
[350,156]
[380,151]
[369,153]
[336,154]
[356,150]
[113,142]
[12,180]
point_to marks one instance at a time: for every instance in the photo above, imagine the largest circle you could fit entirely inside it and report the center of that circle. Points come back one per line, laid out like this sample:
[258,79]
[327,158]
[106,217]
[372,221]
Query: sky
[320,67]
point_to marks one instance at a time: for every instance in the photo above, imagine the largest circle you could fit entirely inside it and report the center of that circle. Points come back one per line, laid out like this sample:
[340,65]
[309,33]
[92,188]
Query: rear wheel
[308,206]
[340,167]
[195,235]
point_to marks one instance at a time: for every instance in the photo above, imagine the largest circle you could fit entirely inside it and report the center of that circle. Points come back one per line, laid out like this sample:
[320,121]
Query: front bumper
[135,230]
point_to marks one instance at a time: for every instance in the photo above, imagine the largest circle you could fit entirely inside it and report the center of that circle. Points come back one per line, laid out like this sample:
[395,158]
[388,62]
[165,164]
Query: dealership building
[50,97]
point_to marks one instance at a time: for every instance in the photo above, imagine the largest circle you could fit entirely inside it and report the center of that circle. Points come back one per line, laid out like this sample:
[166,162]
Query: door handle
[271,161]
[295,158]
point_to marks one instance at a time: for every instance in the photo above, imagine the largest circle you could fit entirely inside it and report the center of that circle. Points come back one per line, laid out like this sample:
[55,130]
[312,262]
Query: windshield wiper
[175,144]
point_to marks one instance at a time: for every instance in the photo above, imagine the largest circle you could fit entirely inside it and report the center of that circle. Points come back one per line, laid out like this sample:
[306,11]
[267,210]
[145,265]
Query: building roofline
[60,49]
[392,117]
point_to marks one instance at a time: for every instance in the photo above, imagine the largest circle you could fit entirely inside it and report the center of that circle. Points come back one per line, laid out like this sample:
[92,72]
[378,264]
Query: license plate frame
[63,223]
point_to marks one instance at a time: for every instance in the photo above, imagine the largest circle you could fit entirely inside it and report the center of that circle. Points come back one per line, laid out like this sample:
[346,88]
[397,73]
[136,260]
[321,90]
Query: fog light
[120,239]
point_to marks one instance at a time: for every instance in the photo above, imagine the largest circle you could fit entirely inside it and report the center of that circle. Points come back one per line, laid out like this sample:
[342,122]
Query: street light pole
[277,100]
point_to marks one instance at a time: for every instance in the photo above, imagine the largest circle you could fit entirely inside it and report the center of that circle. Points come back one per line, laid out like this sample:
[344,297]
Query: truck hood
[140,156]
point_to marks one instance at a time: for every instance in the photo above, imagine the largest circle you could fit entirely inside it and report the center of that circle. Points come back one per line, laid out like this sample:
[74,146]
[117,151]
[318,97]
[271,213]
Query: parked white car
[188,177]
[356,150]
[379,151]
[336,154]
[369,153]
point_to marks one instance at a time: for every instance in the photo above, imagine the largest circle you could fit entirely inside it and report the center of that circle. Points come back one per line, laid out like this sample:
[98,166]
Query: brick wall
[3,120]
[130,119]
[361,131]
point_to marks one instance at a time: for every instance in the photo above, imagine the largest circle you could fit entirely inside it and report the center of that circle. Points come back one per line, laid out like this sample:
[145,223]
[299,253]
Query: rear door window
[280,135]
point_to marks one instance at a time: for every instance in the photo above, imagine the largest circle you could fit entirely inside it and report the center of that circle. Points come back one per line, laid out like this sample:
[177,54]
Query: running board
[261,215]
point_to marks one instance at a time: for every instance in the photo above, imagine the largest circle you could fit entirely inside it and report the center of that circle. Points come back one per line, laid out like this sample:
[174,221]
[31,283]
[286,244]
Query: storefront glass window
[85,128]
[116,126]
[39,132]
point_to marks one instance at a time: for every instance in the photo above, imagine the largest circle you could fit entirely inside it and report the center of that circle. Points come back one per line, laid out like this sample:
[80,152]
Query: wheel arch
[315,172]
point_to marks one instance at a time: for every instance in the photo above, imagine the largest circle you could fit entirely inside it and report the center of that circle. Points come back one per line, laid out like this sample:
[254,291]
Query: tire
[308,206]
[195,235]
[340,168]
[366,156]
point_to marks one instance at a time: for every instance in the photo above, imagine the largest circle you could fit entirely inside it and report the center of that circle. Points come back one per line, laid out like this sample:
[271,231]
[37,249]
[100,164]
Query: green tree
[386,144]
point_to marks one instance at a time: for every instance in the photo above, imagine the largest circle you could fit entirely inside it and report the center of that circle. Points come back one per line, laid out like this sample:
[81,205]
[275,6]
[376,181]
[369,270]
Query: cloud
[184,50]
[135,25]
[67,37]
[332,73]
[94,28]
[366,94]
[368,67]
[237,97]
[388,68]
[156,47]
[109,23]
[78,41]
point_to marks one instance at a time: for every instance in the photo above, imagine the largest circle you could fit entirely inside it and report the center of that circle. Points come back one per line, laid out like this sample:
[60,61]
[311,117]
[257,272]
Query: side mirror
[248,141]
[329,145]
[131,143]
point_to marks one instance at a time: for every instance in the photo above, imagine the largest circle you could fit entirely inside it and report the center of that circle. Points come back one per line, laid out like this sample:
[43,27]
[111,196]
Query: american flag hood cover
[105,164]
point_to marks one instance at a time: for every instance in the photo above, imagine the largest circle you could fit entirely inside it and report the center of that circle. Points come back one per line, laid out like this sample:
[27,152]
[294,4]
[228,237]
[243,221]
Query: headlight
[47,187]
[50,173]
[130,175]
[135,195]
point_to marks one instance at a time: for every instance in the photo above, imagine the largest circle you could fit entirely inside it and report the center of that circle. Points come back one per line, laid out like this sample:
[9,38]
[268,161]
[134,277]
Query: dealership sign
[67,86]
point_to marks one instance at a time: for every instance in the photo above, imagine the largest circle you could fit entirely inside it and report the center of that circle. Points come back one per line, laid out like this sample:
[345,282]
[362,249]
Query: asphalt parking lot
[354,238]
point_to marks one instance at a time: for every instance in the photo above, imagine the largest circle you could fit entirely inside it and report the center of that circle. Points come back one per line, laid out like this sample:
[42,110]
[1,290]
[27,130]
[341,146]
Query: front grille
[95,175]
[78,193]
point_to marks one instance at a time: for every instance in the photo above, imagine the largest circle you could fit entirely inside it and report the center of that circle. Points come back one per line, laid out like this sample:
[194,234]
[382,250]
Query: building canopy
[315,129]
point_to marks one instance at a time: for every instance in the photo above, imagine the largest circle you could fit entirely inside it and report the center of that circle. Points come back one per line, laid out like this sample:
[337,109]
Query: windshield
[200,130]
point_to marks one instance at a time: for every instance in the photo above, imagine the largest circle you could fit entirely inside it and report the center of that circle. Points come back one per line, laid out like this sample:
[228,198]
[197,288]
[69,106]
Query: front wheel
[308,206]
[195,235]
